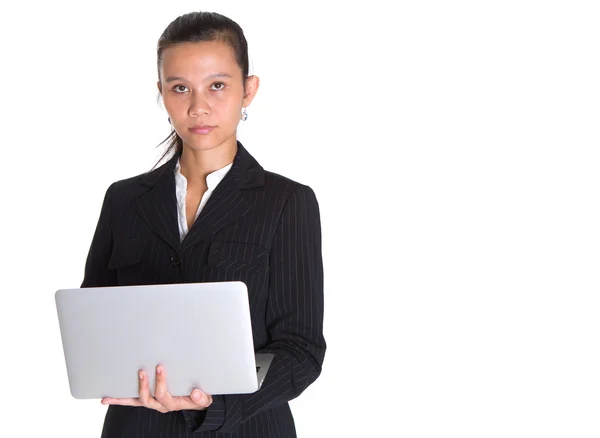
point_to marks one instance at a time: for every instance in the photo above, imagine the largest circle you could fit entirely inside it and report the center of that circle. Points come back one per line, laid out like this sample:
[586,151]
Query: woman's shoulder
[287,187]
[143,180]
[283,183]
[139,183]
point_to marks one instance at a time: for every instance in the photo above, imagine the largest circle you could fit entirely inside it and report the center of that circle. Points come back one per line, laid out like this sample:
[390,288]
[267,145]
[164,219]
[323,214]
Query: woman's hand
[162,400]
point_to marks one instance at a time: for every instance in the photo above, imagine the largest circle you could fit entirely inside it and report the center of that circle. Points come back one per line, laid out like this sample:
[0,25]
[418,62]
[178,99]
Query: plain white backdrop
[454,151]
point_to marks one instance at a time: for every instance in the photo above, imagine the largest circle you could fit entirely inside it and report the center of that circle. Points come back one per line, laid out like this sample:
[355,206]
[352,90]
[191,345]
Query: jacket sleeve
[294,319]
[96,271]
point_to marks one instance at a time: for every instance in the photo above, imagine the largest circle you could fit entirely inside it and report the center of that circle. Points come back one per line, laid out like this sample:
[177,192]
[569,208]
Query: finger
[201,399]
[161,394]
[146,398]
[144,388]
[121,401]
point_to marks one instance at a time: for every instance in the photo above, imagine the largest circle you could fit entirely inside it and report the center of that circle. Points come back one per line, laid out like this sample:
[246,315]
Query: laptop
[200,332]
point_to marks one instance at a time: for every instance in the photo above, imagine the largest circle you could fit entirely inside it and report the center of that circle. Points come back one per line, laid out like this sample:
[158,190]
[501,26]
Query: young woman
[212,213]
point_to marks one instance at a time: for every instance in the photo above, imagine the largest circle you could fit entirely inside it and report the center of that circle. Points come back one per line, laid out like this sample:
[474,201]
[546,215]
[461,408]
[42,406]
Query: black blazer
[257,227]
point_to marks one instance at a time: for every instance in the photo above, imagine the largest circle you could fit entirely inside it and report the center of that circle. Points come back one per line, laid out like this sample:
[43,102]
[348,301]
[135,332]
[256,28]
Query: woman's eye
[177,88]
[217,86]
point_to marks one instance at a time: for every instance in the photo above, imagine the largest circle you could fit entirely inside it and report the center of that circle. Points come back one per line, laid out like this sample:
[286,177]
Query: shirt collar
[212,179]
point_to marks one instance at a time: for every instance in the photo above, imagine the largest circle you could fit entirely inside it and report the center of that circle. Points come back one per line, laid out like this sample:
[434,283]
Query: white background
[453,148]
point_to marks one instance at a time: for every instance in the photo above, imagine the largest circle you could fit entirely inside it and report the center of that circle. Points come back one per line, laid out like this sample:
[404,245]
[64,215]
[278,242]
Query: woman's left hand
[162,400]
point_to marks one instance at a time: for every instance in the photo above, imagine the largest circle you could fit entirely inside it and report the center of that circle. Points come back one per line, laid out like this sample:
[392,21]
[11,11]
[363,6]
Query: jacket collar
[228,202]
[245,170]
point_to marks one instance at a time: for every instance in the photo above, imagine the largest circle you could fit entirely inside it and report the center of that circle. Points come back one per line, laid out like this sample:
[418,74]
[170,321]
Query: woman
[212,213]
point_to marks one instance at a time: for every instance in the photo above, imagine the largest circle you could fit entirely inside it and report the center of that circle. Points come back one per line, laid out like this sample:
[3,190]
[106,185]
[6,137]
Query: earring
[169,119]
[244,115]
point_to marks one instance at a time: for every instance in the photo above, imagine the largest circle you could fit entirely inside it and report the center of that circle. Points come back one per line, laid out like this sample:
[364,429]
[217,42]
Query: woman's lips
[202,129]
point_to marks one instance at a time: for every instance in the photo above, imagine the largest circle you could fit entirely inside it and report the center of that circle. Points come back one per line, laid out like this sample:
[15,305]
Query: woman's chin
[208,142]
[202,144]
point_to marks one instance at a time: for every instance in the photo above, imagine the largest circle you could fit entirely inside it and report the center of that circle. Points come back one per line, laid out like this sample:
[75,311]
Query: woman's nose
[198,105]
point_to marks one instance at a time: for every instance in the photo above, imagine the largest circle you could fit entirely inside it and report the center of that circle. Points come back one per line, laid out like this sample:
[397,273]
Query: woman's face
[201,86]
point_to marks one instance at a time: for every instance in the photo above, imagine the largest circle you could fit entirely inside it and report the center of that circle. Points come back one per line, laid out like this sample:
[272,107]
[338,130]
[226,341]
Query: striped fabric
[257,227]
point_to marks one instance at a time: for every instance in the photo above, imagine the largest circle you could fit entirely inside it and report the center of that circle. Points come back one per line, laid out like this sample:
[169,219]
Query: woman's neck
[195,165]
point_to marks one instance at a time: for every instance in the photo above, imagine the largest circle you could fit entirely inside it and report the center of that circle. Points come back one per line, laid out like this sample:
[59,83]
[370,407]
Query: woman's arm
[294,319]
[96,266]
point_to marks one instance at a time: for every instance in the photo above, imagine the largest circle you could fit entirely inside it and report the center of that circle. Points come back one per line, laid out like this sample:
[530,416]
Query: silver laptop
[200,332]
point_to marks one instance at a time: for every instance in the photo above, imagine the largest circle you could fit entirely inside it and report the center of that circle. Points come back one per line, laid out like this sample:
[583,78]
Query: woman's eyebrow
[219,75]
[212,76]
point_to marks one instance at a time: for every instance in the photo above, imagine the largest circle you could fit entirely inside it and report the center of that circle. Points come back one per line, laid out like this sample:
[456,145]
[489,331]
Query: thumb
[201,399]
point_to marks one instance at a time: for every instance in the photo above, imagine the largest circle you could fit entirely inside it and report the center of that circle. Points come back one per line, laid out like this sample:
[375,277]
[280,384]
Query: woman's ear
[252,83]
[159,87]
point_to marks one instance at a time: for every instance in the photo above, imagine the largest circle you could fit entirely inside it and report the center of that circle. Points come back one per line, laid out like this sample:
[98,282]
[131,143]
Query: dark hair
[196,27]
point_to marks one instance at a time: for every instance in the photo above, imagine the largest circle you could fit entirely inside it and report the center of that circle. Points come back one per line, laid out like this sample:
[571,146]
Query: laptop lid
[200,332]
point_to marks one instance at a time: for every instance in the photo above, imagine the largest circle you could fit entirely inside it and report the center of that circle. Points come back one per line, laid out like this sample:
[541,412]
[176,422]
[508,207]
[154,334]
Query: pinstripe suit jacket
[257,227]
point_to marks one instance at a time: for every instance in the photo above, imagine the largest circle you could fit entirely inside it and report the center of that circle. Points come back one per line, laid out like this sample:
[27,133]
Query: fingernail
[141,374]
[196,395]
[158,370]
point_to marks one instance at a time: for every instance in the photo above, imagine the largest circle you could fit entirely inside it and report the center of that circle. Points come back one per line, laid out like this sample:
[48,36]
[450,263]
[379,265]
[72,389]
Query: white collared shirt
[212,180]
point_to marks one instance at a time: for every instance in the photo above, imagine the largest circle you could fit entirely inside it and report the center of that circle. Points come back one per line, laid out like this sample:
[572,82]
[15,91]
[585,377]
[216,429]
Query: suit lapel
[158,206]
[229,201]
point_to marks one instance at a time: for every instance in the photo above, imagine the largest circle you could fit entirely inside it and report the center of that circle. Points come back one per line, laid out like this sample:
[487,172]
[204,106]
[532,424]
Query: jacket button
[175,260]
